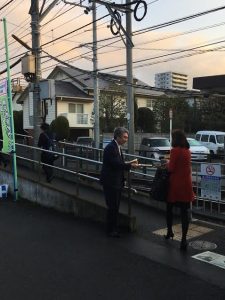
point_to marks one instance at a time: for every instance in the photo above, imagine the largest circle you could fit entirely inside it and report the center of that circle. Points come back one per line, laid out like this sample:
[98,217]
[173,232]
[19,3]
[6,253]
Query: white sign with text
[211,181]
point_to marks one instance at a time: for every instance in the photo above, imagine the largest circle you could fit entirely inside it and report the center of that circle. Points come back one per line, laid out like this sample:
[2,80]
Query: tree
[213,114]
[60,128]
[180,108]
[145,120]
[112,110]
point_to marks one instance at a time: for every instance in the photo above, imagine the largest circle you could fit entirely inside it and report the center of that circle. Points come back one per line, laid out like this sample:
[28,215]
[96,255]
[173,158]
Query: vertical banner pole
[9,96]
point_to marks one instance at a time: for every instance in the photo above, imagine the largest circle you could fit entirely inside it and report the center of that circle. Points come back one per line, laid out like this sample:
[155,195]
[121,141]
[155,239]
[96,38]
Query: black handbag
[160,185]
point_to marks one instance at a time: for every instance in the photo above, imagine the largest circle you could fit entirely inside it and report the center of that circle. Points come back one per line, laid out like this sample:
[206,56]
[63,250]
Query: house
[72,96]
[107,82]
[67,100]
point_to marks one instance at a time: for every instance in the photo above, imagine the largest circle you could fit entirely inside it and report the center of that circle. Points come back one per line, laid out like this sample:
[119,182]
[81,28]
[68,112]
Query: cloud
[145,44]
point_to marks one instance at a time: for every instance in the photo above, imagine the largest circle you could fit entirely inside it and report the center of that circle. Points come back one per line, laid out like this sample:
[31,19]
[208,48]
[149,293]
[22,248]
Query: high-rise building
[171,80]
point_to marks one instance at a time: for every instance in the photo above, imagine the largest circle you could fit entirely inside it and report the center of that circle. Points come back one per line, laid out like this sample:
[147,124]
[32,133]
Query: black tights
[184,214]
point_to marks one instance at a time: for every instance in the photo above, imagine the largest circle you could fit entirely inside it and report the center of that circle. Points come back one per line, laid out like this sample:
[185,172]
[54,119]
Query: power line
[6,4]
[74,30]
[160,56]
[169,23]
[107,39]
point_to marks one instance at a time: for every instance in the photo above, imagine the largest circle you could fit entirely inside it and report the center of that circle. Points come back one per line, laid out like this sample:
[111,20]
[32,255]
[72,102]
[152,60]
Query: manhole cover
[202,245]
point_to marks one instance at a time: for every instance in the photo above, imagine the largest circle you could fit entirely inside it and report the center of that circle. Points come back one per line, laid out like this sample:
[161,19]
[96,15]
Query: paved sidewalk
[50,255]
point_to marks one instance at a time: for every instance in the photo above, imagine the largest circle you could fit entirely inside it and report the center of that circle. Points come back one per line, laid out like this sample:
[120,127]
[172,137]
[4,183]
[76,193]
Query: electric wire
[58,38]
[165,55]
[4,5]
[176,21]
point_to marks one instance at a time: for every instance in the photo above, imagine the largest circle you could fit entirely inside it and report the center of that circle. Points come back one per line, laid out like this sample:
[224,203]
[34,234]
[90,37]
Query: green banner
[5,119]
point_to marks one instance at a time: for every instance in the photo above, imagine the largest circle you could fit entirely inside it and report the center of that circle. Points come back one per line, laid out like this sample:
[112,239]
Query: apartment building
[171,80]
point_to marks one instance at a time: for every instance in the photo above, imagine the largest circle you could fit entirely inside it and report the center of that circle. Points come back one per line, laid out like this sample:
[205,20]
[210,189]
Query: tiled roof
[67,89]
[106,81]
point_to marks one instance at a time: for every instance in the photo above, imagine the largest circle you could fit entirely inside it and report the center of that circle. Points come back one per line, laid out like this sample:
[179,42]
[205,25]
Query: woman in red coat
[180,184]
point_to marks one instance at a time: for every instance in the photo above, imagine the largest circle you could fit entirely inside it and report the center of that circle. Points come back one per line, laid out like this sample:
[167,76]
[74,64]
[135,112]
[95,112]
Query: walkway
[53,256]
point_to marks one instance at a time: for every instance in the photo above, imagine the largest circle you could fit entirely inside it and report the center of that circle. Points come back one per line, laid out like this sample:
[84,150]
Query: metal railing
[86,164]
[79,170]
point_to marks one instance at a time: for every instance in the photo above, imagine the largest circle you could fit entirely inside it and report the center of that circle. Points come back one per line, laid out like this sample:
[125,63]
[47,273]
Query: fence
[79,162]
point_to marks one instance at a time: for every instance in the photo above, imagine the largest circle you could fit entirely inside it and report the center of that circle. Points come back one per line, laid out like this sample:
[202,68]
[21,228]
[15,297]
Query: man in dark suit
[112,177]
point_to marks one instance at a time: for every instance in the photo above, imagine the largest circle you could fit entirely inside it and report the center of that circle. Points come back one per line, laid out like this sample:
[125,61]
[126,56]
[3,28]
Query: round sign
[210,170]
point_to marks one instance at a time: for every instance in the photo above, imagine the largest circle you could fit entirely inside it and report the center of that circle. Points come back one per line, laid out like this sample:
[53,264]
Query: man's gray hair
[119,131]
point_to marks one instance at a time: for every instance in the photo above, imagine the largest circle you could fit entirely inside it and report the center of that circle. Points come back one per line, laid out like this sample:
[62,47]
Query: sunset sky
[156,50]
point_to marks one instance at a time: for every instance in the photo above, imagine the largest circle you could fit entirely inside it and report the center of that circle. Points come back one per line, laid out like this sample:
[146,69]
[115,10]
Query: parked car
[82,147]
[213,140]
[85,141]
[198,151]
[155,147]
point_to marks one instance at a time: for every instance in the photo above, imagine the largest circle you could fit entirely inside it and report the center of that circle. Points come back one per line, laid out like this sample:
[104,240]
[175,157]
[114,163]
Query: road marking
[193,232]
[212,258]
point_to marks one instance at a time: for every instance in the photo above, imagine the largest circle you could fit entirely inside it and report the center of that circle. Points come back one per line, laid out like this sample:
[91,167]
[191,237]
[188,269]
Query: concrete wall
[65,201]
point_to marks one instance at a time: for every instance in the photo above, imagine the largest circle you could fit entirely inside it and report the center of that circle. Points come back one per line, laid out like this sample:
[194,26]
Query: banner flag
[5,119]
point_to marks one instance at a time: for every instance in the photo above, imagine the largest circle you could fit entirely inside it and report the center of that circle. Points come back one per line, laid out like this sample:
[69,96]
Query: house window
[76,108]
[72,108]
[149,103]
[80,108]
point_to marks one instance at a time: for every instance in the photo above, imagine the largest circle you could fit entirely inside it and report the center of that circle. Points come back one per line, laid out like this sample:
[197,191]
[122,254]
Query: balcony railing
[81,118]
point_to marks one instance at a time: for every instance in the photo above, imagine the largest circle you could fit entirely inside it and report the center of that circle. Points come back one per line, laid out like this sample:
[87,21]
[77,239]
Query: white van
[213,140]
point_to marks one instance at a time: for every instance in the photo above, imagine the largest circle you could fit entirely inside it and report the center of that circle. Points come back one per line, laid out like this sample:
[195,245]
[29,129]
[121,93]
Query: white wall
[62,109]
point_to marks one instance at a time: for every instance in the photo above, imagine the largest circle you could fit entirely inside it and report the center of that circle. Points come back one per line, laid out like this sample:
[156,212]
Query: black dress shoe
[114,234]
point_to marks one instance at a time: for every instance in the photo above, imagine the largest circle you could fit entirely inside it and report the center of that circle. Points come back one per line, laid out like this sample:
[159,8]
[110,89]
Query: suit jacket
[180,180]
[112,173]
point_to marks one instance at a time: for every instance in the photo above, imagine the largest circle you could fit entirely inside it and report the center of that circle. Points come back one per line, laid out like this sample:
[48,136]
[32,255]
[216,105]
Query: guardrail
[78,167]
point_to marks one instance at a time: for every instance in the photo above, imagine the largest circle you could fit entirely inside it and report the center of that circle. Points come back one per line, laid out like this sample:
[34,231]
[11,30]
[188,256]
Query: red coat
[180,182]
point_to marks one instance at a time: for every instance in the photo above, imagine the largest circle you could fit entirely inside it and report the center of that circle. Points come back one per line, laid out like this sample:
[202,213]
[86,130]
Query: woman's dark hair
[179,139]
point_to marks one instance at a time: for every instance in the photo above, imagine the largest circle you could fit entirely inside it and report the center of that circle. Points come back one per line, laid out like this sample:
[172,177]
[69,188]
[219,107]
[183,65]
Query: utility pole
[36,51]
[95,78]
[36,18]
[130,90]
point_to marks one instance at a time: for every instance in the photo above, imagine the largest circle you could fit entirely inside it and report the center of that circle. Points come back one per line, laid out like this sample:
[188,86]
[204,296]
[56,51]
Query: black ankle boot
[169,235]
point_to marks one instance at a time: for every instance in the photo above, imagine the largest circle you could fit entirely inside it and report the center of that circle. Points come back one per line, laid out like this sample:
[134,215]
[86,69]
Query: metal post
[36,51]
[130,90]
[129,193]
[224,150]
[95,71]
[171,124]
[63,151]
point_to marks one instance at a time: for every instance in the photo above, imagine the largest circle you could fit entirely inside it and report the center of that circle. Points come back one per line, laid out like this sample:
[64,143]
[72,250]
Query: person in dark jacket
[45,142]
[112,177]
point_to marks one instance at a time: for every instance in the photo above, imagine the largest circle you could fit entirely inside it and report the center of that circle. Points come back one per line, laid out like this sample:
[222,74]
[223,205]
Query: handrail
[88,165]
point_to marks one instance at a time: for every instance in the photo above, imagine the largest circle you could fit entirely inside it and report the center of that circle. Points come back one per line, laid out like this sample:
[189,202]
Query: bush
[60,128]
